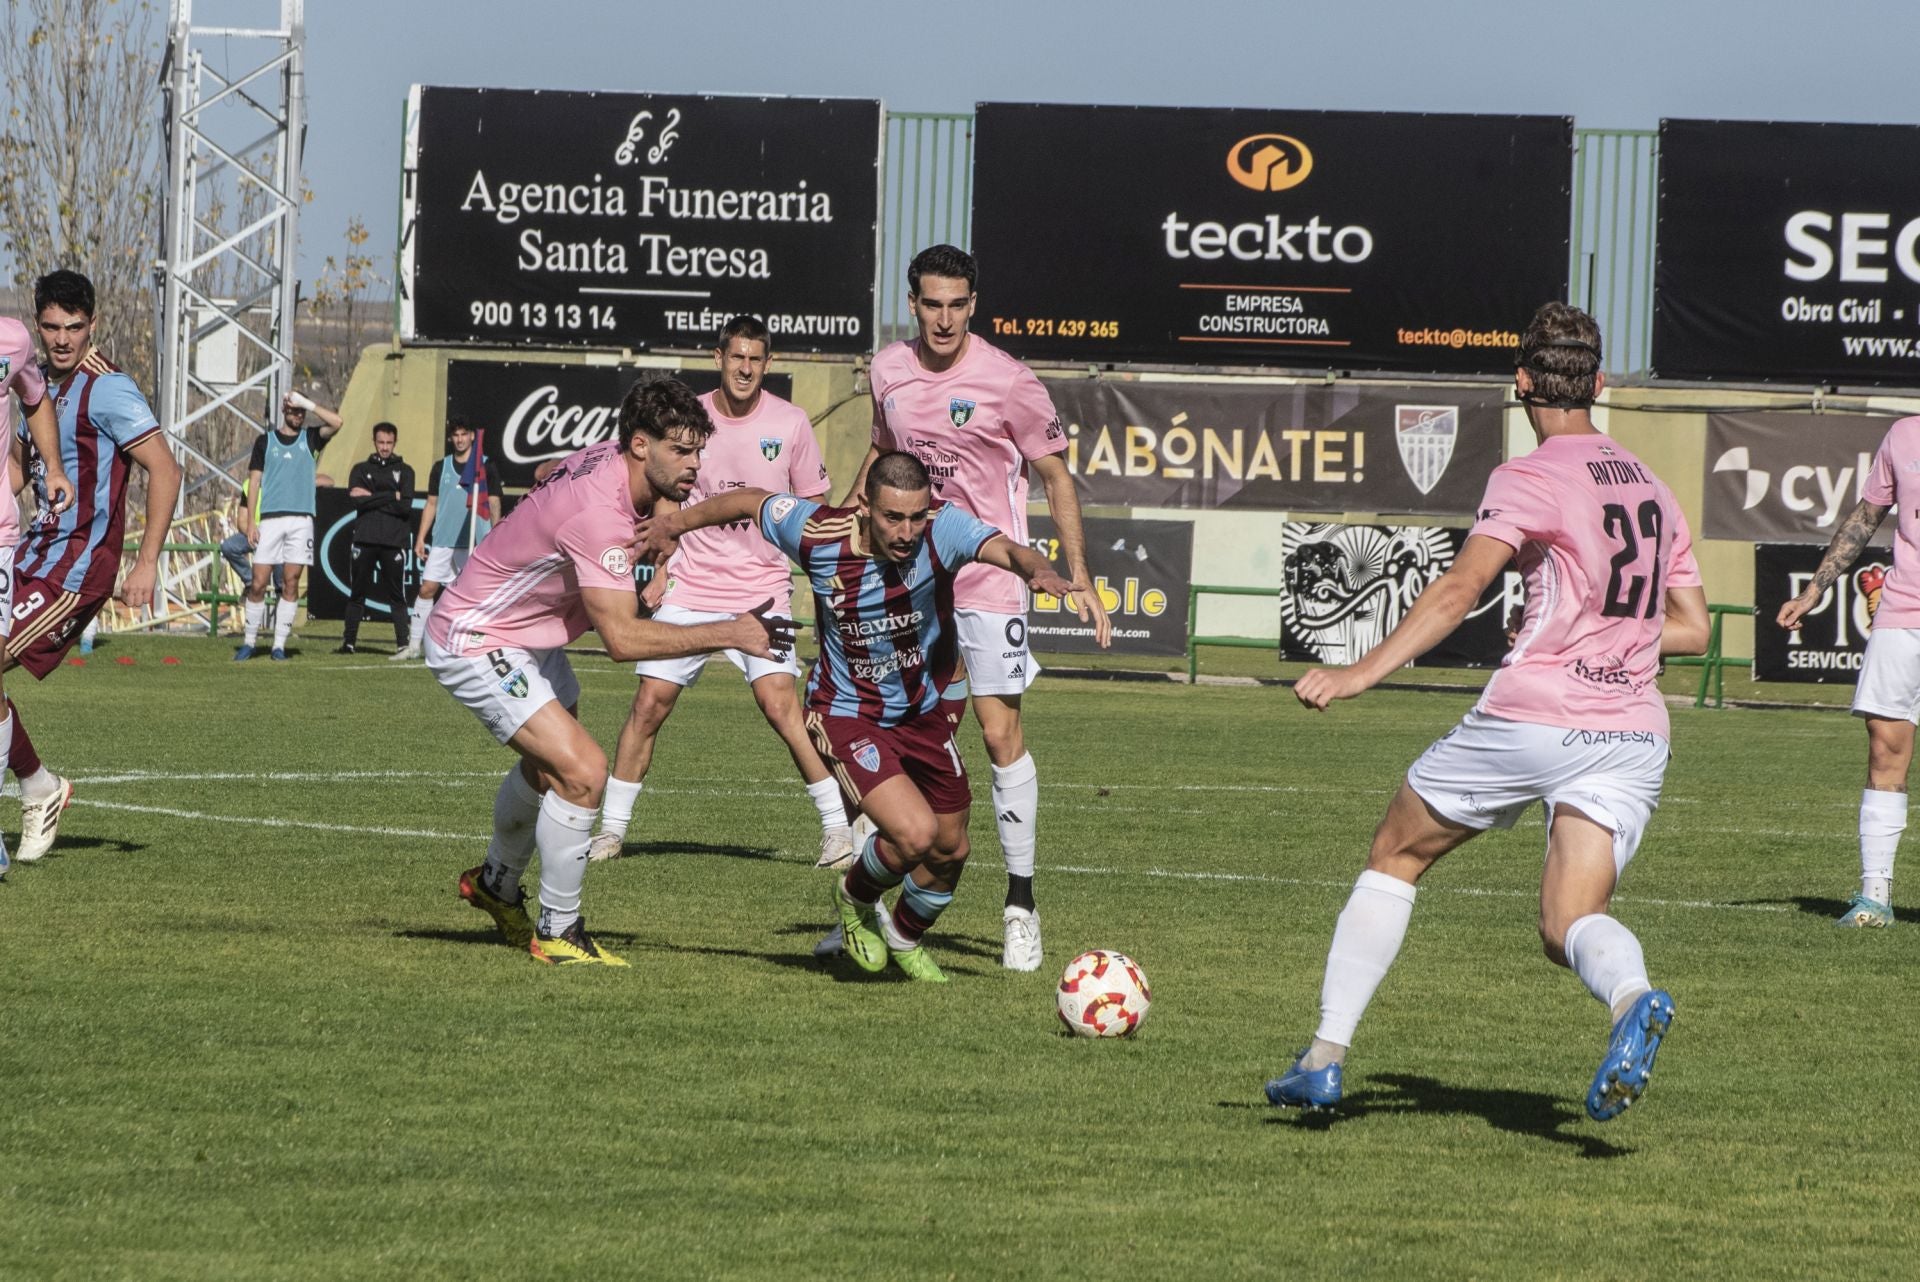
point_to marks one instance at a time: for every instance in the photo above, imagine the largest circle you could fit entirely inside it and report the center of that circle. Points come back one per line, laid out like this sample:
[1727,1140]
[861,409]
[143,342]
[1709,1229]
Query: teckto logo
[1269,162]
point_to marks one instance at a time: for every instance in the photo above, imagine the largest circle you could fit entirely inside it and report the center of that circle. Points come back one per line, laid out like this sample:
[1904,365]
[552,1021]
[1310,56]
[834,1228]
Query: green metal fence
[1615,179]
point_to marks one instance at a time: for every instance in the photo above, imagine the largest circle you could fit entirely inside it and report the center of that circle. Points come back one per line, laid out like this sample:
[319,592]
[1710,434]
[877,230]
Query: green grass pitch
[247,1031]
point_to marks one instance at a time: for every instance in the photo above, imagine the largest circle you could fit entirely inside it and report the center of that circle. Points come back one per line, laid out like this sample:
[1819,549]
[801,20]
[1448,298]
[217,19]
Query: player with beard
[883,574]
[762,441]
[981,421]
[496,639]
[1573,718]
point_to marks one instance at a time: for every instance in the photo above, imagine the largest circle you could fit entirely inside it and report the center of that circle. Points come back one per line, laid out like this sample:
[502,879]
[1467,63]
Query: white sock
[255,613]
[417,632]
[283,622]
[6,745]
[516,807]
[1016,809]
[563,833]
[1366,939]
[1883,817]
[39,785]
[616,810]
[826,799]
[1607,958]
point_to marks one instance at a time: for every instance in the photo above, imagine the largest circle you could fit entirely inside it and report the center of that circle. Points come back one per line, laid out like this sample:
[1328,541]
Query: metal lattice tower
[235,126]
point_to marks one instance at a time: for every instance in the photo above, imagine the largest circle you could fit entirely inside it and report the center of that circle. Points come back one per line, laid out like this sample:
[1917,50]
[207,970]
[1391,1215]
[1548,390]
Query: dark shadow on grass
[69,845]
[966,945]
[1546,1117]
[1828,909]
[488,935]
[635,849]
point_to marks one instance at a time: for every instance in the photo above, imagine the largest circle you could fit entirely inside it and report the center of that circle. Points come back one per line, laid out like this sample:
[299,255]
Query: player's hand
[420,550]
[138,591]
[1793,611]
[655,591]
[360,492]
[298,401]
[59,490]
[763,635]
[653,539]
[1089,603]
[1321,686]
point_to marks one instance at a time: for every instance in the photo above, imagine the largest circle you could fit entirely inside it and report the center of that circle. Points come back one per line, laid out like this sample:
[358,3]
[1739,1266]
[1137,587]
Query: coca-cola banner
[533,411]
[1832,637]
[1784,477]
[1309,447]
[638,220]
[1347,586]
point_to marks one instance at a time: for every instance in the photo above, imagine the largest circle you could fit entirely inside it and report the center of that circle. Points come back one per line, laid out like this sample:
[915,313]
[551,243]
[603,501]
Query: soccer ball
[1103,994]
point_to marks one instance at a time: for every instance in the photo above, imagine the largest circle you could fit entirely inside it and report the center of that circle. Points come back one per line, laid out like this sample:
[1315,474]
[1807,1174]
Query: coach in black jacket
[381,486]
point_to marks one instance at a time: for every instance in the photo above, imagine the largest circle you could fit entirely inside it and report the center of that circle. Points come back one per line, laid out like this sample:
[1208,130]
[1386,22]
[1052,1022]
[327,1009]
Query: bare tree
[342,315]
[79,168]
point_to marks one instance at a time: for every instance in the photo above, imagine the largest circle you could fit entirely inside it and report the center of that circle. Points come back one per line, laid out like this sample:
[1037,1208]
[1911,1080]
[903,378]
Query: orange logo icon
[1269,162]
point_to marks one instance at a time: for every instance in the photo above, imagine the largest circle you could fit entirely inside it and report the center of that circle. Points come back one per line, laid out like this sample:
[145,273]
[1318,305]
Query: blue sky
[1625,68]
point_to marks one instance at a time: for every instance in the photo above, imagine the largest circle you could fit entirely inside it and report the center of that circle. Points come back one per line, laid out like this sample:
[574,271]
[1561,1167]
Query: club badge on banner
[1776,477]
[1832,637]
[1345,448]
[1141,569]
[1345,587]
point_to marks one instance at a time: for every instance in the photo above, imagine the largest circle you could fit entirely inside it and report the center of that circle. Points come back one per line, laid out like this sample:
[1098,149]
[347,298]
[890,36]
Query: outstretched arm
[1848,541]
[629,638]
[1039,573]
[658,533]
[1436,612]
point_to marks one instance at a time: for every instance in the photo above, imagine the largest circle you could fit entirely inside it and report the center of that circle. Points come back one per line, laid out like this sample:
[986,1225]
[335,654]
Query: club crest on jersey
[782,507]
[6,367]
[960,412]
[515,684]
[614,561]
[866,755]
[770,447]
[1426,435]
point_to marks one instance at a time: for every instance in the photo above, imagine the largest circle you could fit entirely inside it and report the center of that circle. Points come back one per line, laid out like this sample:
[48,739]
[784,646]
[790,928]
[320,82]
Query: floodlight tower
[235,126]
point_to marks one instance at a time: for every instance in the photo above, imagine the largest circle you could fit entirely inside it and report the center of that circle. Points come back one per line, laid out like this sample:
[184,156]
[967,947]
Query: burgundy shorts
[863,756]
[47,620]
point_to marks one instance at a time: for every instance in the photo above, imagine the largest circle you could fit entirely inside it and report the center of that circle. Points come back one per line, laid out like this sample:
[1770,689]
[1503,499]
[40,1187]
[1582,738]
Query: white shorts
[444,564]
[6,592]
[284,540]
[1485,771]
[1889,684]
[995,648]
[684,672]
[504,687]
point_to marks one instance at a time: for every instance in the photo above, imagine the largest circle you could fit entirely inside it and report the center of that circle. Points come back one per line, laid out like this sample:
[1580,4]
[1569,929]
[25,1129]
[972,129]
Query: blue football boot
[244,653]
[1864,913]
[1623,1075]
[1305,1089]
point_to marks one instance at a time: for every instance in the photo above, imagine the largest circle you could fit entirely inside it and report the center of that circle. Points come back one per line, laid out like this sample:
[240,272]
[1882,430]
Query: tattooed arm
[1848,543]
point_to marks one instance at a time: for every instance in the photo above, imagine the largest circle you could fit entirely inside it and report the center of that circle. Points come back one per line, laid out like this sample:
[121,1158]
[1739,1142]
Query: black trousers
[390,565]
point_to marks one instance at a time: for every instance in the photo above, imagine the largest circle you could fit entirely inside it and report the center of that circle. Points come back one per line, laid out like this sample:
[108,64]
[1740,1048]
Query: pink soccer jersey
[522,586]
[734,568]
[1599,539]
[1894,482]
[19,374]
[974,426]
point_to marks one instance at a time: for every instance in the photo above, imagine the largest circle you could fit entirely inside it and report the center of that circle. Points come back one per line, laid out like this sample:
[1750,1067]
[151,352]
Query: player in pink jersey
[1887,696]
[762,442]
[1572,719]
[558,566]
[981,421]
[21,376]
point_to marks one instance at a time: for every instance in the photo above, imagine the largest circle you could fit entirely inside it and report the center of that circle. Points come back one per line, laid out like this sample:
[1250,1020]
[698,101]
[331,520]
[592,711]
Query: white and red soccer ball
[1103,994]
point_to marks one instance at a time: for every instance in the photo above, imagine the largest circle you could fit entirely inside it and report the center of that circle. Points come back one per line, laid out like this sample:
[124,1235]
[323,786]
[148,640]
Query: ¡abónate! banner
[1832,637]
[1342,448]
[1141,569]
[1778,477]
[638,220]
[1348,586]
[1788,252]
[1302,239]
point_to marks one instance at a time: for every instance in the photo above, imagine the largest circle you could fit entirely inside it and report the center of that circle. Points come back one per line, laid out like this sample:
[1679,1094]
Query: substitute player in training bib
[560,566]
[1887,696]
[282,471]
[980,421]
[1573,718]
[761,442]
[883,574]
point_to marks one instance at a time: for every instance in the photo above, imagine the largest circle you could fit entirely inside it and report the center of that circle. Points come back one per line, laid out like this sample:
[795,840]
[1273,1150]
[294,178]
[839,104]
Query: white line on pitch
[262,821]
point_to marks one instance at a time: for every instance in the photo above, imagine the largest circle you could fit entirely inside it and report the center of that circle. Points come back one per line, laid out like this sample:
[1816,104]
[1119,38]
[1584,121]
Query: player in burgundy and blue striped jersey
[882,575]
[68,563]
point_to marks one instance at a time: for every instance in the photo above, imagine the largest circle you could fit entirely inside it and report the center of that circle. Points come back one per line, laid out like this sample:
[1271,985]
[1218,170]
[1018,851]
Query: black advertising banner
[1785,477]
[1788,252]
[1343,447]
[638,220]
[1347,586]
[1141,569]
[1305,239]
[532,411]
[330,582]
[1832,637]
